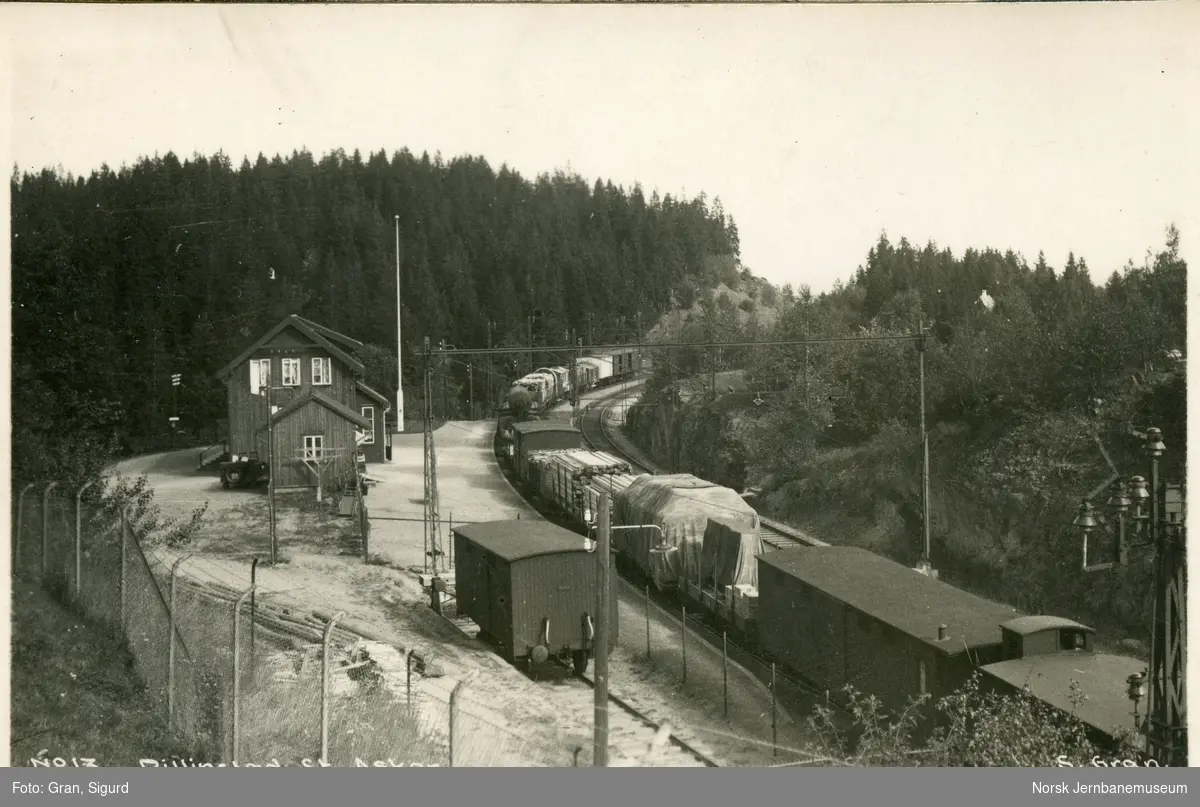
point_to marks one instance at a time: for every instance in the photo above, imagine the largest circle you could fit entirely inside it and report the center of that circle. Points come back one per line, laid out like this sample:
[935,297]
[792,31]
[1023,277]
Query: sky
[1026,127]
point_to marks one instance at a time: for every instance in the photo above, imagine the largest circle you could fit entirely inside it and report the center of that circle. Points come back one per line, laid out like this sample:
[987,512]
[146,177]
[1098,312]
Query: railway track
[593,425]
[630,731]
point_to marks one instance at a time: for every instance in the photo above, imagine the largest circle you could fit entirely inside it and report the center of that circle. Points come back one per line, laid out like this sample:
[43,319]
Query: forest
[1038,380]
[123,278]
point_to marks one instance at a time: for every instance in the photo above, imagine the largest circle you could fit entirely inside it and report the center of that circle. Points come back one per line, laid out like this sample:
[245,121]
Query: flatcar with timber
[532,588]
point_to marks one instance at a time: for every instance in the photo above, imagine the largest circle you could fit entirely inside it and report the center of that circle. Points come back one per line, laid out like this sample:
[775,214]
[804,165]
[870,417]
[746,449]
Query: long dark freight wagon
[841,615]
[531,587]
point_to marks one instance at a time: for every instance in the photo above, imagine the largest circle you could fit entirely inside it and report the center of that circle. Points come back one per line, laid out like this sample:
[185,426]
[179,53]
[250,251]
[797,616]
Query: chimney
[941,633]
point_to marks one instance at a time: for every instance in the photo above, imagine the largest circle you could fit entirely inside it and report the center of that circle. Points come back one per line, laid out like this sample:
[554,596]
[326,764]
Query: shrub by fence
[245,676]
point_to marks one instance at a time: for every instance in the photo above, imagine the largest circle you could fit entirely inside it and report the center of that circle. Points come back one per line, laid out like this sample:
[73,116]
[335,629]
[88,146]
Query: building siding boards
[375,452]
[312,418]
[248,410]
[508,599]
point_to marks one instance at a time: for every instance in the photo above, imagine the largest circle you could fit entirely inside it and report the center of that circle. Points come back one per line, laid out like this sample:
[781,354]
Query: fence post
[453,715]
[647,623]
[408,678]
[237,673]
[79,540]
[20,524]
[683,625]
[171,646]
[774,724]
[124,550]
[46,527]
[725,670]
[325,686]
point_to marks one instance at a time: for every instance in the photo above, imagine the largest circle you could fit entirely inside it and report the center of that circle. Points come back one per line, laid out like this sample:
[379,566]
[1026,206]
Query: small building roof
[311,396]
[534,426]
[1026,625]
[370,393]
[1102,677]
[517,540]
[313,332]
[896,595]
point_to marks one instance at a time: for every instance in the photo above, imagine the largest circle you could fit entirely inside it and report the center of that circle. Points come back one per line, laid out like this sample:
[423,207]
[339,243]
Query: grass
[282,722]
[75,692]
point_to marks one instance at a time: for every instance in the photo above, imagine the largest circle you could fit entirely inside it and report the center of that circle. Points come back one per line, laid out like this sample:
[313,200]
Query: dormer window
[321,372]
[291,372]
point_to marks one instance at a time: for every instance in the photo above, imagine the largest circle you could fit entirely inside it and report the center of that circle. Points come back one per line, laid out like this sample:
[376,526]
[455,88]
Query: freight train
[550,385]
[829,615]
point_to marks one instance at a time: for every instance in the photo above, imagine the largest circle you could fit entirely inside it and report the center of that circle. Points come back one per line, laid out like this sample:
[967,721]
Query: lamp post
[399,348]
[1136,684]
[1156,521]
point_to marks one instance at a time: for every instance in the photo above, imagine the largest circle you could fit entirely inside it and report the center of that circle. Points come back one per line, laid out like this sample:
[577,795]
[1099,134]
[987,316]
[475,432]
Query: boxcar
[841,615]
[541,435]
[1046,654]
[532,588]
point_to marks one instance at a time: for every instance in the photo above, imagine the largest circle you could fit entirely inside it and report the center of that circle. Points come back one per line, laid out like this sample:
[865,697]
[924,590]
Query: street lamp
[1136,684]
[1157,521]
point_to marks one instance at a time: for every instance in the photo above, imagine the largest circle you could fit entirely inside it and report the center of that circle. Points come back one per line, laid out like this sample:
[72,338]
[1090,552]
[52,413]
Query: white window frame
[256,375]
[312,444]
[322,368]
[294,365]
[369,440]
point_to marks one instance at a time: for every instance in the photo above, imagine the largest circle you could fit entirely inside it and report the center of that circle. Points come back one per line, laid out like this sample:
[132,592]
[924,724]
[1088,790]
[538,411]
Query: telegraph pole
[600,753]
[271,468]
[399,346]
[926,563]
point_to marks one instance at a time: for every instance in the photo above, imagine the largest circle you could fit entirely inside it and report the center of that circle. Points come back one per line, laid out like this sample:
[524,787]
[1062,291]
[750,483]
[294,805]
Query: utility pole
[600,753]
[399,347]
[471,390]
[432,516]
[445,373]
[175,380]
[271,468]
[491,366]
[926,563]
[529,321]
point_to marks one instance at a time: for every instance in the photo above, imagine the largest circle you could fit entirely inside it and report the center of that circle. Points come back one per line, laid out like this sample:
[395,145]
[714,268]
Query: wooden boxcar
[841,615]
[541,435]
[1046,654]
[532,588]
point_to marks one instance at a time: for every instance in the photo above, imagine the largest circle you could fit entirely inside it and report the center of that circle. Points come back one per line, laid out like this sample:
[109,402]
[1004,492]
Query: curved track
[593,425]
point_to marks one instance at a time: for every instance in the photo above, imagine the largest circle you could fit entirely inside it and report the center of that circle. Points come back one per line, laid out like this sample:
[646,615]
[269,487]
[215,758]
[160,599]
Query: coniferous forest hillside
[1039,382]
[122,278]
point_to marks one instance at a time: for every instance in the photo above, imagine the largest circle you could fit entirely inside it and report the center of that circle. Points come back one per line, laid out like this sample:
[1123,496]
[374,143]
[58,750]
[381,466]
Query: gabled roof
[896,595]
[517,540]
[306,328]
[312,395]
[365,390]
[329,333]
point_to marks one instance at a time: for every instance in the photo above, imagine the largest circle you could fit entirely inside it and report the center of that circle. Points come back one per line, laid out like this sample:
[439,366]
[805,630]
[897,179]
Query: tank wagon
[532,588]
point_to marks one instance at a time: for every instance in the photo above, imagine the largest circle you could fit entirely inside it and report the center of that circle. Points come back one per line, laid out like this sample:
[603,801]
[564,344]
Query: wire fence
[250,676]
